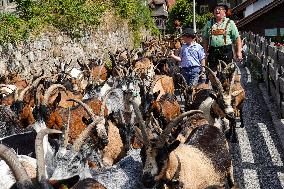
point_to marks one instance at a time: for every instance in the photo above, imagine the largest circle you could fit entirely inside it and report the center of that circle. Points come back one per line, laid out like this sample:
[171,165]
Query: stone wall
[50,48]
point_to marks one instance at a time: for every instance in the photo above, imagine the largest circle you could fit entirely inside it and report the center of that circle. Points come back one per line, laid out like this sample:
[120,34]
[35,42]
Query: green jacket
[232,33]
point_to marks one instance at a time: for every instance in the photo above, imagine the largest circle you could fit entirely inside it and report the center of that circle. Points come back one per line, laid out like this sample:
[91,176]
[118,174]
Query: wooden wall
[271,60]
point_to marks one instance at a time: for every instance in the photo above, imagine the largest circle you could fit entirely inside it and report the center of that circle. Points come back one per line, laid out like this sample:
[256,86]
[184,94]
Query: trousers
[191,74]
[224,53]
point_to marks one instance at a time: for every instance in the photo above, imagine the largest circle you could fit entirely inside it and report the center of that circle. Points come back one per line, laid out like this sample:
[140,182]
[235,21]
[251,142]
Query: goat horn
[23,92]
[111,90]
[16,94]
[38,94]
[49,91]
[118,70]
[90,71]
[4,85]
[34,84]
[21,176]
[66,134]
[85,133]
[146,140]
[232,82]
[85,106]
[138,133]
[216,81]
[40,153]
[223,63]
[163,137]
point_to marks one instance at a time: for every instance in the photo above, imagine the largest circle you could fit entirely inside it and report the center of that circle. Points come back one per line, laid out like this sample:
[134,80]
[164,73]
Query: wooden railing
[271,60]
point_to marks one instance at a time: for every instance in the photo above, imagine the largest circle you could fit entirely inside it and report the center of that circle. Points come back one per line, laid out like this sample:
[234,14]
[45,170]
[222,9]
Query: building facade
[264,17]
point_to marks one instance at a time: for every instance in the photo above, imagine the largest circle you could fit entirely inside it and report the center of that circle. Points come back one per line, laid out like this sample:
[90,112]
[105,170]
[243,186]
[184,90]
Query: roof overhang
[242,6]
[258,13]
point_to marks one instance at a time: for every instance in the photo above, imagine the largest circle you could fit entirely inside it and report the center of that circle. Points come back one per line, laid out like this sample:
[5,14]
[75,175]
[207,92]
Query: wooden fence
[271,60]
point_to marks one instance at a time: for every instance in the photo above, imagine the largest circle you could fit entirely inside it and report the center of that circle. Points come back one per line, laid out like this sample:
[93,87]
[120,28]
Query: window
[204,9]
[281,31]
[270,32]
[160,23]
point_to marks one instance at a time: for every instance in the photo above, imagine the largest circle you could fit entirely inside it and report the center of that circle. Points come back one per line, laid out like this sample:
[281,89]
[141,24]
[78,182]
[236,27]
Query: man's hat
[222,5]
[188,32]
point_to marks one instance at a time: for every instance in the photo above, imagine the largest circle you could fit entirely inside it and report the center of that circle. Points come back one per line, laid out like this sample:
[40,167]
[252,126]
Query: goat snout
[148,180]
[104,141]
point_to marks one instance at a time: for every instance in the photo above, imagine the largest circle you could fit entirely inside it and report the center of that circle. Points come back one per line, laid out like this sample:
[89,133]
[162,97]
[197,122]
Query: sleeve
[180,52]
[201,53]
[206,30]
[234,32]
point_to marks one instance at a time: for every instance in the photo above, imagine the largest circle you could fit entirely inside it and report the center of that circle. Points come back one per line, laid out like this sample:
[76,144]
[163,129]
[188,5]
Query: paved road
[258,157]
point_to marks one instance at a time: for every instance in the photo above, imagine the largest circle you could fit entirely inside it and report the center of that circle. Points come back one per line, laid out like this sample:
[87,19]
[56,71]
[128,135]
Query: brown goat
[162,84]
[76,117]
[24,103]
[166,108]
[78,121]
[114,151]
[191,165]
[231,83]
[144,68]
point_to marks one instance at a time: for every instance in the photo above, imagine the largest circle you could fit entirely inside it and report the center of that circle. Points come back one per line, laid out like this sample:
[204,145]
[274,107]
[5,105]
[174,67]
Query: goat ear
[213,96]
[80,64]
[173,146]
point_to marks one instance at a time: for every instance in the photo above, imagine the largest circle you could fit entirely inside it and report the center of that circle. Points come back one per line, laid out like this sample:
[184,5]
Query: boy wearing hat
[219,34]
[191,57]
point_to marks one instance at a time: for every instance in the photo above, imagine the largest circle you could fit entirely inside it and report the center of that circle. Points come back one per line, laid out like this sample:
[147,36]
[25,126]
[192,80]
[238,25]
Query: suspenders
[219,32]
[225,33]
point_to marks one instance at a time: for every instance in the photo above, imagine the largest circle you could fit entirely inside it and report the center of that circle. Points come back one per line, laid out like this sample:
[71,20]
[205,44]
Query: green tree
[183,11]
[72,17]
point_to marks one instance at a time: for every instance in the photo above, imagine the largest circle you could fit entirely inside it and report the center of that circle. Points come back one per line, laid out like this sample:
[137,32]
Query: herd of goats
[77,118]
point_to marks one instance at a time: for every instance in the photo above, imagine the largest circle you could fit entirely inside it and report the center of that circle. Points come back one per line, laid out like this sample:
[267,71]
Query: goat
[190,165]
[96,71]
[9,122]
[55,117]
[216,104]
[15,79]
[165,109]
[70,161]
[231,83]
[23,104]
[144,68]
[162,83]
[22,178]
